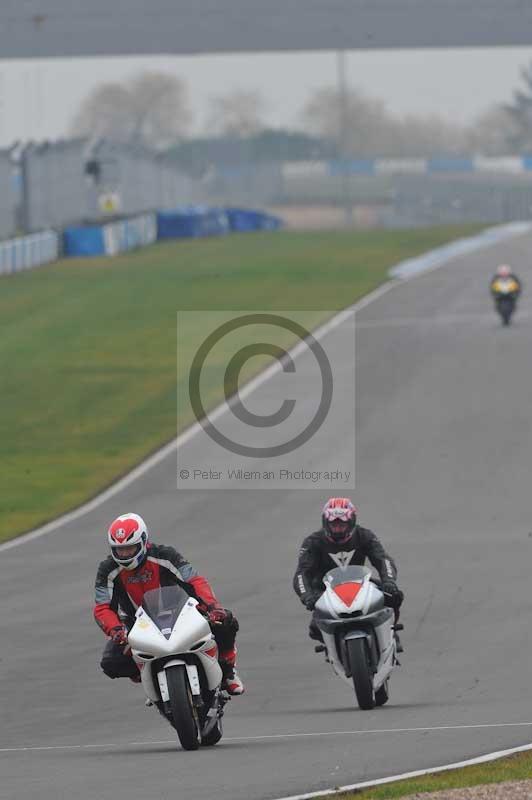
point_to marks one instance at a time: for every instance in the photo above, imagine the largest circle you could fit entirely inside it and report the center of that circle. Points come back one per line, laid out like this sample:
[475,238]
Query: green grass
[513,768]
[88,347]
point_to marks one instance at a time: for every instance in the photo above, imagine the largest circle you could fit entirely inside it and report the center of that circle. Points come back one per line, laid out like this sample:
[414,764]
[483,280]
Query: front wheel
[361,673]
[184,714]
[506,309]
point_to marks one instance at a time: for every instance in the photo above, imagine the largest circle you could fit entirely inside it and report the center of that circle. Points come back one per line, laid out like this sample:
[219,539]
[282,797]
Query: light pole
[341,81]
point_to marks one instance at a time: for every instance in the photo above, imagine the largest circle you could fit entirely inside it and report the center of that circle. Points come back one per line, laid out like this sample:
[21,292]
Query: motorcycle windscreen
[346,582]
[350,574]
[163,606]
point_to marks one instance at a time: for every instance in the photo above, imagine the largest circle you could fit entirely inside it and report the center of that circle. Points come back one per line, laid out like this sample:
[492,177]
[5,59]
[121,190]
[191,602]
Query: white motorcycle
[358,633]
[174,648]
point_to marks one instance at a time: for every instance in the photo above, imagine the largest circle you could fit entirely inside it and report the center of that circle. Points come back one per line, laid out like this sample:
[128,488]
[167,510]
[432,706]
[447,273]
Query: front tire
[506,310]
[361,673]
[184,714]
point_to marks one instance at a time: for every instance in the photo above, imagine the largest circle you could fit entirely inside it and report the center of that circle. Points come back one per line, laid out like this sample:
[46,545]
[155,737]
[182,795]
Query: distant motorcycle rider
[338,543]
[504,273]
[136,566]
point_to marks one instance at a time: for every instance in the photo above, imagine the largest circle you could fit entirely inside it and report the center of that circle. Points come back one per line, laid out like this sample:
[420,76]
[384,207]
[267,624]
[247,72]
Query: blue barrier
[130,234]
[28,252]
[117,237]
[83,241]
[242,220]
[112,238]
[192,222]
[199,221]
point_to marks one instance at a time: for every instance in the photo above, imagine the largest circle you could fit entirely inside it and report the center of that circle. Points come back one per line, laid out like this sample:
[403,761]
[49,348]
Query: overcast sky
[38,99]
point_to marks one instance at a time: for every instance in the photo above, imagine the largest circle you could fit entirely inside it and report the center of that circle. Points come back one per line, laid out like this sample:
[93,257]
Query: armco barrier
[112,238]
[28,252]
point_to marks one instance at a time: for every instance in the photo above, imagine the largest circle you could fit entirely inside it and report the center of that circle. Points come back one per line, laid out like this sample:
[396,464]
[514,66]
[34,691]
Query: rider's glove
[119,634]
[396,596]
[218,615]
[310,600]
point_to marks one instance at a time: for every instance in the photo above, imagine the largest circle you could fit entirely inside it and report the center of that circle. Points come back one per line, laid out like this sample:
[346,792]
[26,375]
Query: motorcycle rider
[340,542]
[504,273]
[136,566]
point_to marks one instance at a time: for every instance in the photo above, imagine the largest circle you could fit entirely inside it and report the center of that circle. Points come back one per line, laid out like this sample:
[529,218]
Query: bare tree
[420,135]
[105,112]
[366,120]
[374,131]
[493,133]
[239,113]
[520,110]
[160,107]
[151,109]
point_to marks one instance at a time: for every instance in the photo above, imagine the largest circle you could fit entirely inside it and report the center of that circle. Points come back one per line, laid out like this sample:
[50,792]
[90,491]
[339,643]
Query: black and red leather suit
[318,554]
[120,590]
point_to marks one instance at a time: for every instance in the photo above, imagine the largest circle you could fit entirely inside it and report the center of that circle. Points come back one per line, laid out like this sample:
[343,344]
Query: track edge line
[494,756]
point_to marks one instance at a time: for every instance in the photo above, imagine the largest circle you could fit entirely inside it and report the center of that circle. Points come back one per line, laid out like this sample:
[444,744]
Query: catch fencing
[7,200]
[136,180]
[54,188]
[70,182]
[414,192]
[429,200]
[76,183]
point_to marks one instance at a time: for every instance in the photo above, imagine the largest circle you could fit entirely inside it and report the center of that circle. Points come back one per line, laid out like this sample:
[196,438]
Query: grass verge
[512,768]
[88,347]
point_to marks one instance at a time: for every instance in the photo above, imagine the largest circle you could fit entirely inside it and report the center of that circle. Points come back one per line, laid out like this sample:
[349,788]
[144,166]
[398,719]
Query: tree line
[153,110]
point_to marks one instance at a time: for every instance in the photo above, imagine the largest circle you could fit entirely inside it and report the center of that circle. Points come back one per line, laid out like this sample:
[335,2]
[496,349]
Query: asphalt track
[444,438]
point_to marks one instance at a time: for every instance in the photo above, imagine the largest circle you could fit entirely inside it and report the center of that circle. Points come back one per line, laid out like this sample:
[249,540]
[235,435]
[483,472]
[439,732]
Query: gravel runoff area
[510,790]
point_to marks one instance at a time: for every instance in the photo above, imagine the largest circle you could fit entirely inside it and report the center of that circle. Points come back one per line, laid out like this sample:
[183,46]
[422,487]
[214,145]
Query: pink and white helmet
[339,518]
[504,271]
[125,533]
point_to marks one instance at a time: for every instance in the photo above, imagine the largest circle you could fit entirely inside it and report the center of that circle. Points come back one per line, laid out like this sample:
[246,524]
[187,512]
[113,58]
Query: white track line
[428,262]
[419,773]
[434,259]
[265,737]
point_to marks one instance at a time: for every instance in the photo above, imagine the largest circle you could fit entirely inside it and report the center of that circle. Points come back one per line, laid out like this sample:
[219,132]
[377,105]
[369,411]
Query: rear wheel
[184,715]
[382,695]
[361,673]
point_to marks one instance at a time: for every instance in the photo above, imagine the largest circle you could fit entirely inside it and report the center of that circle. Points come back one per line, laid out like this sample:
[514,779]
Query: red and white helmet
[504,271]
[339,518]
[125,533]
